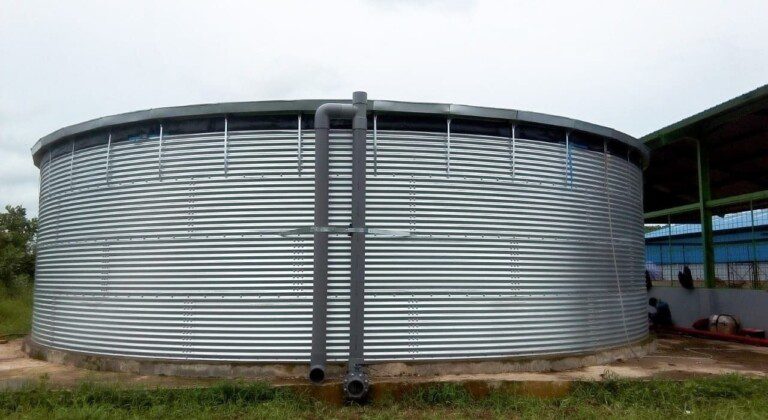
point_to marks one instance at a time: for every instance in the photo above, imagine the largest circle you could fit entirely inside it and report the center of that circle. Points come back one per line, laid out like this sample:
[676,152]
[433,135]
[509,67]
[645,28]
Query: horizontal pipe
[720,336]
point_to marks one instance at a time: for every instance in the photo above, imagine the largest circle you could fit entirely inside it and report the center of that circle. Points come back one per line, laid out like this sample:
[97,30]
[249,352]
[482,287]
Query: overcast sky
[633,66]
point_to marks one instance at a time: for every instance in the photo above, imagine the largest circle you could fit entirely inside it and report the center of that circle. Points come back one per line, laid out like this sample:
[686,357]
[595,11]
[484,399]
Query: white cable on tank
[613,249]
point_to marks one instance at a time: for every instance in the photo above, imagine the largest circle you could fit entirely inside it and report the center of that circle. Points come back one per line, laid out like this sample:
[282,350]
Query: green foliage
[17,248]
[714,397]
[15,311]
[17,270]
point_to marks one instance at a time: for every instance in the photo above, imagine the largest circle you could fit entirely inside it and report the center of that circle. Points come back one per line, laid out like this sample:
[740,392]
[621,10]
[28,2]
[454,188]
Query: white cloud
[632,66]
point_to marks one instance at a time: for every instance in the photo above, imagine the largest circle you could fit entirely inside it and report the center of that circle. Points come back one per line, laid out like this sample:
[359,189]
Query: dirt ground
[676,357]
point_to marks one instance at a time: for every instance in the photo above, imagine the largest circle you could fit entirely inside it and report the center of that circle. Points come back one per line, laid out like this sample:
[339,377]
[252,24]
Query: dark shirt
[663,315]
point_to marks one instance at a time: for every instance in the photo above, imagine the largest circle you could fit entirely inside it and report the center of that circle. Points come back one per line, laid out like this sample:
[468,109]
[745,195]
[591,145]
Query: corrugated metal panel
[163,253]
[505,258]
[186,263]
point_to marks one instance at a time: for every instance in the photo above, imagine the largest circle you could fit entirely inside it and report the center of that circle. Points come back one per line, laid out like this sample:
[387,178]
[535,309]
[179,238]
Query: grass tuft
[448,394]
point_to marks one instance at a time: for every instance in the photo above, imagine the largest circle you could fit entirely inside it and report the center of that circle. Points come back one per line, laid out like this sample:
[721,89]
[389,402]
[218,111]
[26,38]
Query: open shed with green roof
[708,165]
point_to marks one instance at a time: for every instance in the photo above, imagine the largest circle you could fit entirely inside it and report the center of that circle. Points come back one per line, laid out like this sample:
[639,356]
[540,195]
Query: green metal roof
[735,133]
[730,109]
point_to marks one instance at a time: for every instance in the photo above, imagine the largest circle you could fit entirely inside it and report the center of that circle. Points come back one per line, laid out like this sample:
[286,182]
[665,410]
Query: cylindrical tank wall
[164,251]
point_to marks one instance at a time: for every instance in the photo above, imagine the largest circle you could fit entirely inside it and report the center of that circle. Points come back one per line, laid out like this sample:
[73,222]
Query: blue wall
[730,246]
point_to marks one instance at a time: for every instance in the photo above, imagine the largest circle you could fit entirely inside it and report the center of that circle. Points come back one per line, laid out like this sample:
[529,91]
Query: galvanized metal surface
[508,255]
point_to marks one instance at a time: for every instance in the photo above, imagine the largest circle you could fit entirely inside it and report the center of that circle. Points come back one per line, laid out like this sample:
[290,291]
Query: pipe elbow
[325,112]
[323,115]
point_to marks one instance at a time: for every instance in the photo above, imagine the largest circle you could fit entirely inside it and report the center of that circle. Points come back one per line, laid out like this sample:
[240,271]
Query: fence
[740,250]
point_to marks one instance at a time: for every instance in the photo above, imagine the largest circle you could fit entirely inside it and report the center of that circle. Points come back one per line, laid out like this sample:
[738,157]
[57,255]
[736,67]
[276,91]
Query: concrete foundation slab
[298,371]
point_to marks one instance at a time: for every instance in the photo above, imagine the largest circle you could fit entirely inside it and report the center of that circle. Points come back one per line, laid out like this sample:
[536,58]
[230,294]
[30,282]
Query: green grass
[716,398]
[15,311]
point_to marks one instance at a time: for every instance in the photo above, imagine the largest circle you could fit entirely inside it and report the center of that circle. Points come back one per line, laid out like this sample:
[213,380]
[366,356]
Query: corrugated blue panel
[728,222]
[735,247]
[681,254]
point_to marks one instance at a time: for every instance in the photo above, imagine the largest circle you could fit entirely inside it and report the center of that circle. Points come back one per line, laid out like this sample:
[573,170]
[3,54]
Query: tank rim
[310,105]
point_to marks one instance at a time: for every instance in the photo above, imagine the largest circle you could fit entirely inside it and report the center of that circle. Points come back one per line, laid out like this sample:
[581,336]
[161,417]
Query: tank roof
[310,105]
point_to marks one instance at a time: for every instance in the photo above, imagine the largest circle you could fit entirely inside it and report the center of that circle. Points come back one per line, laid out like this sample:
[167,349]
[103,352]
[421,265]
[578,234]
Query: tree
[17,247]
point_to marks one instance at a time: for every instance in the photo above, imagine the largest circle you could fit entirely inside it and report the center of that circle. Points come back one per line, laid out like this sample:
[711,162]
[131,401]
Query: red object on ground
[753,332]
[719,336]
[701,324]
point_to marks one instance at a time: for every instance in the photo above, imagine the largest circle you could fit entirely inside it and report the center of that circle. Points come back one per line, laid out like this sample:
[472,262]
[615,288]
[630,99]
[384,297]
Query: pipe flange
[356,386]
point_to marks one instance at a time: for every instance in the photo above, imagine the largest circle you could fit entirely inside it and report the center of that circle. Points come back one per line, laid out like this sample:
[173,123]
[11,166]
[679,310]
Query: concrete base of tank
[334,371]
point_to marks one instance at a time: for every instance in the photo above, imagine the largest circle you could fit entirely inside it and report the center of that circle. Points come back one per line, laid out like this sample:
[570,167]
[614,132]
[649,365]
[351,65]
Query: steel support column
[755,264]
[705,212]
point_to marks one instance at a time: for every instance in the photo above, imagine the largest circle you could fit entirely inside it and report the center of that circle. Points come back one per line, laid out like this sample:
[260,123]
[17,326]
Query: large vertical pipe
[356,381]
[323,116]
[357,285]
[320,276]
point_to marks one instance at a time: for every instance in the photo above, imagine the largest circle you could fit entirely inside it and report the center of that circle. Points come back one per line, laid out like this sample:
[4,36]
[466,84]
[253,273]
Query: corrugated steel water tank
[173,234]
